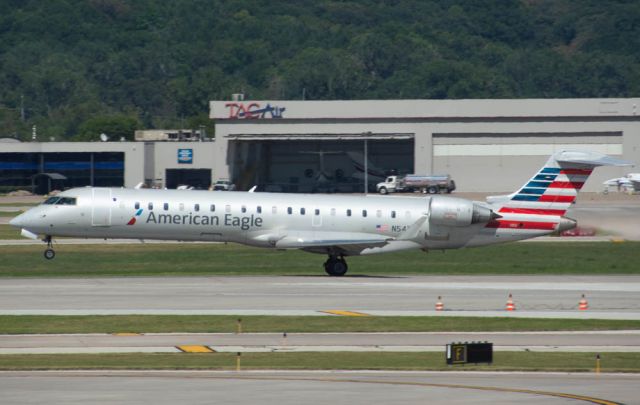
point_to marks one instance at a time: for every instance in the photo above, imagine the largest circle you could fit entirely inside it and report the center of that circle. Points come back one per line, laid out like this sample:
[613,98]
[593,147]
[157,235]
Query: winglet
[252,189]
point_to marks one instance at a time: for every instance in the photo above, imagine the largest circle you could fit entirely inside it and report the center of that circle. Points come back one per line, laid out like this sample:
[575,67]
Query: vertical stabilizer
[554,187]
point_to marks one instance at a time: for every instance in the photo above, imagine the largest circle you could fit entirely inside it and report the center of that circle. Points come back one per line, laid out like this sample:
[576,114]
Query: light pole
[366,163]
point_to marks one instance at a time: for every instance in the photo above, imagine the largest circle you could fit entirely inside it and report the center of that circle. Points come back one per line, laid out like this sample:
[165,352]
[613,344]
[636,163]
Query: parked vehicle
[413,182]
[224,185]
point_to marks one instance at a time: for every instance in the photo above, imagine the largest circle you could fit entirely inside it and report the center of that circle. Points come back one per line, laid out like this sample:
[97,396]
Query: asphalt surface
[336,388]
[609,297]
[618,341]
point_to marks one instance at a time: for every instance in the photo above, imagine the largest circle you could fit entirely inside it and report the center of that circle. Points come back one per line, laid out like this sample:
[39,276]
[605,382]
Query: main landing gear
[49,253]
[335,266]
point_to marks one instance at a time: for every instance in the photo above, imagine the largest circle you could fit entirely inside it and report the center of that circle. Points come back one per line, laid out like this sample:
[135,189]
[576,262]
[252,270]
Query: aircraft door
[101,207]
[316,219]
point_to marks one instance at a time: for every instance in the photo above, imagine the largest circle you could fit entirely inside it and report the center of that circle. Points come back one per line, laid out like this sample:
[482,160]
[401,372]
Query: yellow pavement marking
[618,240]
[345,313]
[195,349]
[127,334]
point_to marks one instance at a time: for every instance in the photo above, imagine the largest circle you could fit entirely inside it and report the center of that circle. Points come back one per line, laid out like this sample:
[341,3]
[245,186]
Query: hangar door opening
[199,179]
[334,165]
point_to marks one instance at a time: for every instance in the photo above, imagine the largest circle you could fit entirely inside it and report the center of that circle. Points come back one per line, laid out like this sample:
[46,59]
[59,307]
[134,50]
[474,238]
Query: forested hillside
[75,66]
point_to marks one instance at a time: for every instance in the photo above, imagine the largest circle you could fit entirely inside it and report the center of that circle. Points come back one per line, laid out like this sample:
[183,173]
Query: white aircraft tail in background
[630,182]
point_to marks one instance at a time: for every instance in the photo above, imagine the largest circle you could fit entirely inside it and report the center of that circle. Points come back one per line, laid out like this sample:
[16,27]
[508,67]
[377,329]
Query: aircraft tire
[336,267]
[49,254]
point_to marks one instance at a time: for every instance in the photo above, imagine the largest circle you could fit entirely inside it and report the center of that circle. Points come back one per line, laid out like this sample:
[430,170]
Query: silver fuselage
[308,221]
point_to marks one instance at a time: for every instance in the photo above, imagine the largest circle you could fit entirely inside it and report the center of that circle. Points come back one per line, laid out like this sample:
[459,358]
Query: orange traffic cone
[439,304]
[510,305]
[583,305]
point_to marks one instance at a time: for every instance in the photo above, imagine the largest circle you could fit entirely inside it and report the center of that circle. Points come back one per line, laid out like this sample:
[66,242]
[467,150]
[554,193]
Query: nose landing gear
[335,266]
[49,253]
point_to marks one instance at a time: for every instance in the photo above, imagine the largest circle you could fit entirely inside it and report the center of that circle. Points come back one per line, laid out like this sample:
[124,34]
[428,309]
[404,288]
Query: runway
[592,341]
[610,297]
[336,388]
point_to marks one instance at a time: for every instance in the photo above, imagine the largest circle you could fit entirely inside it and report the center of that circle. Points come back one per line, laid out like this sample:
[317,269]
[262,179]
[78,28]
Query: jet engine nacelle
[458,212]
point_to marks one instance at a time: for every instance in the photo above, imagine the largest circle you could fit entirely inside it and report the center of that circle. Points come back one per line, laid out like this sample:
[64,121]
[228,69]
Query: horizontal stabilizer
[589,159]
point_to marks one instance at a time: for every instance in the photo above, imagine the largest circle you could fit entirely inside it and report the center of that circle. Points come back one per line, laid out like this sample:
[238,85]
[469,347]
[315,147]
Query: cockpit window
[66,201]
[51,200]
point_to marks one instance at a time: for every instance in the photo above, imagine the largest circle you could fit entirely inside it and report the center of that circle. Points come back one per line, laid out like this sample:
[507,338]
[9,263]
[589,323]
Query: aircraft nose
[17,221]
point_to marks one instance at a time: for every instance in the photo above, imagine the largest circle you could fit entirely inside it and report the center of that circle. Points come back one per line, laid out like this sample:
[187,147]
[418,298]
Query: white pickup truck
[414,182]
[224,185]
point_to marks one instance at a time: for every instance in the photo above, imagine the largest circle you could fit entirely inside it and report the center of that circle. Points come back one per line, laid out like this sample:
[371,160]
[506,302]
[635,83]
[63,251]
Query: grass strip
[10,213]
[582,258]
[44,324]
[19,204]
[9,232]
[503,361]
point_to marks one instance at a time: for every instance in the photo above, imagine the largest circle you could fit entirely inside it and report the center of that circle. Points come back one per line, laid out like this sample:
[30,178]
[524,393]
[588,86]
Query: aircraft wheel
[336,267]
[49,254]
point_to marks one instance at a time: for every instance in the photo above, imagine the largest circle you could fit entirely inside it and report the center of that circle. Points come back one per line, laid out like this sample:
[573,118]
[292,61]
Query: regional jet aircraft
[337,226]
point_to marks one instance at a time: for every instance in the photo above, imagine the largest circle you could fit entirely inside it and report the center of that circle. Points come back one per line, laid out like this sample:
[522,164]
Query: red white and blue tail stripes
[550,192]
[540,204]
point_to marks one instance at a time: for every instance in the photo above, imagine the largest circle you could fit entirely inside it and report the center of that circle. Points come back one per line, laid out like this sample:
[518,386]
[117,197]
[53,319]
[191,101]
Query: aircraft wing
[321,241]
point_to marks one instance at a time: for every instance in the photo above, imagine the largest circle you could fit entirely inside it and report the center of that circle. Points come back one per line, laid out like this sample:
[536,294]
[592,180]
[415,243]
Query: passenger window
[393,214]
[289,210]
[333,212]
[150,206]
[317,211]
[212,207]
[137,205]
[166,206]
[274,210]
[259,209]
[196,207]
[379,213]
[302,211]
[243,209]
[181,206]
[348,213]
[364,213]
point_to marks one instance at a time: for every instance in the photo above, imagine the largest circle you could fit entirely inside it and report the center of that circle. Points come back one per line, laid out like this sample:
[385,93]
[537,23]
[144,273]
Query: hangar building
[490,146]
[485,145]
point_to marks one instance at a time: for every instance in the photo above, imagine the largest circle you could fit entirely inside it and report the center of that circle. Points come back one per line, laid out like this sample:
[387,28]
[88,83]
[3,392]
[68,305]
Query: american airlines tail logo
[133,219]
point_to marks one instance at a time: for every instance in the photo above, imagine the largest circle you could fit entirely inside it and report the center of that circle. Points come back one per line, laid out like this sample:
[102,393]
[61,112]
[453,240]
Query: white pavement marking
[75,241]
[276,312]
[529,286]
[87,350]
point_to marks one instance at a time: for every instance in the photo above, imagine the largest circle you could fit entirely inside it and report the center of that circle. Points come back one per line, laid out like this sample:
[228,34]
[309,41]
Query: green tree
[114,126]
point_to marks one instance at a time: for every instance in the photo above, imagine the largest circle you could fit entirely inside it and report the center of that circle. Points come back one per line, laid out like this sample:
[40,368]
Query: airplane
[338,226]
[629,182]
[375,173]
